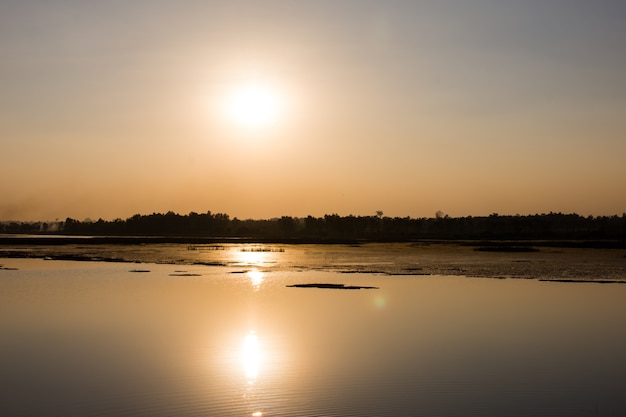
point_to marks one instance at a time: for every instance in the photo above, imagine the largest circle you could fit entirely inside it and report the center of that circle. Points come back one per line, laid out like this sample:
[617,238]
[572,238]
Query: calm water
[95,339]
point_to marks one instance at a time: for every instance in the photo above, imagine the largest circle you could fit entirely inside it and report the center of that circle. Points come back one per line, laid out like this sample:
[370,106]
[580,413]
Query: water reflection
[251,258]
[444,346]
[251,361]
[256,278]
[251,356]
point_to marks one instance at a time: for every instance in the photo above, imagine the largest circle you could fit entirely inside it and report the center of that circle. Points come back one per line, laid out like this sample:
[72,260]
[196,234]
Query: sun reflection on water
[251,356]
[256,278]
[251,361]
[251,258]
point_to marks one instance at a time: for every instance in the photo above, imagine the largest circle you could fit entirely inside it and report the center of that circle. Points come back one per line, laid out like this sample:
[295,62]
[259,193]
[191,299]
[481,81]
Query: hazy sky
[112,108]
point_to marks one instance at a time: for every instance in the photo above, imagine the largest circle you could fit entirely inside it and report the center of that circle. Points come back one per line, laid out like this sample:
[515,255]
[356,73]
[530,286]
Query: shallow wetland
[220,330]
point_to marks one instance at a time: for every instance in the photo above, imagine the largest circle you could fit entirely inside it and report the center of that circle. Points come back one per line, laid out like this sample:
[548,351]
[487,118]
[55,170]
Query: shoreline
[481,244]
[568,264]
[468,275]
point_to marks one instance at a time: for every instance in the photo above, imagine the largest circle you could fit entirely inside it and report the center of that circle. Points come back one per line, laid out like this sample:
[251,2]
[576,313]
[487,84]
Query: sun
[254,106]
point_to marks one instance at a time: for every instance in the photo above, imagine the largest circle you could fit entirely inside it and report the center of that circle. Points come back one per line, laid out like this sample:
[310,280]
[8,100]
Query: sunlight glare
[256,277]
[251,257]
[254,106]
[251,356]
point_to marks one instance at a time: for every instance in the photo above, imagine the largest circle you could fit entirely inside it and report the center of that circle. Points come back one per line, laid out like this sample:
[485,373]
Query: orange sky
[108,109]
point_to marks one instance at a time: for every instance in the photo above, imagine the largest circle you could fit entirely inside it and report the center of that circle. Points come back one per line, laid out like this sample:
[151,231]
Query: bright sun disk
[253,106]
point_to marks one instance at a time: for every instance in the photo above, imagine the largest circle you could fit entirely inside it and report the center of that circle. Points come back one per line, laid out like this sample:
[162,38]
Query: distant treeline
[333,227]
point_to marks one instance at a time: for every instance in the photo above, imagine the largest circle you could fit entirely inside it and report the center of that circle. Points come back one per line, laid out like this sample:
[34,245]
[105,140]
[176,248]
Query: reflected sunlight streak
[251,258]
[251,356]
[256,278]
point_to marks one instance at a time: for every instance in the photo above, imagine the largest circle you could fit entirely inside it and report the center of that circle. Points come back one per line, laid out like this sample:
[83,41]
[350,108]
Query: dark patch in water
[506,249]
[361,271]
[332,286]
[589,281]
[208,263]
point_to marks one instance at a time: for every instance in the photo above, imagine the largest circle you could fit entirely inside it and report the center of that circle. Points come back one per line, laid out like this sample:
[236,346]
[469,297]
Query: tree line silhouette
[333,227]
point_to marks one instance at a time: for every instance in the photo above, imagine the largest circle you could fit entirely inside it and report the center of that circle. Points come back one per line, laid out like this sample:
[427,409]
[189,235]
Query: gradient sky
[112,108]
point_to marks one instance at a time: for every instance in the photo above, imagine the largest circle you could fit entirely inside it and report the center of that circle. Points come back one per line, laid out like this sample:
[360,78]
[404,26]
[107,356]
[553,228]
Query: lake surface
[212,331]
